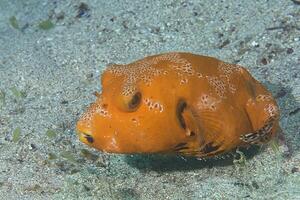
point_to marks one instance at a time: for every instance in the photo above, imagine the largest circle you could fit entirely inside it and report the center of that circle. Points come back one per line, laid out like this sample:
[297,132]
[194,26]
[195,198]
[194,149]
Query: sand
[52,54]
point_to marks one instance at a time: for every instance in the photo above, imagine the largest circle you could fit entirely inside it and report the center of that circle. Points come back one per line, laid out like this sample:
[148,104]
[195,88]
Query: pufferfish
[180,103]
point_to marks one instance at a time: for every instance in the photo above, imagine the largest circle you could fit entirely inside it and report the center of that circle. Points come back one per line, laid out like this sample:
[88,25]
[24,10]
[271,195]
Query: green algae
[127,193]
[52,156]
[241,161]
[16,135]
[2,98]
[68,156]
[18,94]
[51,133]
[89,155]
[14,22]
[274,145]
[46,25]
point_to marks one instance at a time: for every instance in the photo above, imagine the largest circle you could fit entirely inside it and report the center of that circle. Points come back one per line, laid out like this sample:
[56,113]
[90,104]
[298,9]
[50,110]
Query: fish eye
[129,103]
[135,101]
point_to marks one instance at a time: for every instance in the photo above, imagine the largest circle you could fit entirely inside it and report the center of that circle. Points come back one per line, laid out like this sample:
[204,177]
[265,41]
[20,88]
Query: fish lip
[85,137]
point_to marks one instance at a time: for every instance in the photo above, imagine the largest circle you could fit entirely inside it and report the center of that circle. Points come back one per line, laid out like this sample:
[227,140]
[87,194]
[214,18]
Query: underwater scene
[142,100]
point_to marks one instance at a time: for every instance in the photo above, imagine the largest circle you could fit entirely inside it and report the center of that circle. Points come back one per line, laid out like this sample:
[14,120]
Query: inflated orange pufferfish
[178,103]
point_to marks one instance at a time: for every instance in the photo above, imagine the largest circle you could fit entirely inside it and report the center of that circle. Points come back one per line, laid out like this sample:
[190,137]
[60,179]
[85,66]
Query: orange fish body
[178,103]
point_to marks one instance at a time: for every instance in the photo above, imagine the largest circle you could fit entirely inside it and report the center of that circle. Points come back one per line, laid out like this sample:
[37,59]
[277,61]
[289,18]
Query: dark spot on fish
[209,148]
[180,108]
[89,138]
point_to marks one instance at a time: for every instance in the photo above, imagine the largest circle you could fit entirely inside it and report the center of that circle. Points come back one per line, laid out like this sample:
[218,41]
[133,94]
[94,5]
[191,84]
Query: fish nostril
[192,133]
[89,138]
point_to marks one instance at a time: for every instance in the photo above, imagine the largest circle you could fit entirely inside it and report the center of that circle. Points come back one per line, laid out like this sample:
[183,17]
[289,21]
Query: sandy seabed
[52,54]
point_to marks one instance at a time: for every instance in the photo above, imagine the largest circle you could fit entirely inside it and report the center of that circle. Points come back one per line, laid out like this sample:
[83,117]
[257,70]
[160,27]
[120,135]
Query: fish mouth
[85,137]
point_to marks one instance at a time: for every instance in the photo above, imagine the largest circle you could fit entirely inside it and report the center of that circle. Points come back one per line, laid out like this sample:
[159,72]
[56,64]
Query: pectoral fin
[191,125]
[204,125]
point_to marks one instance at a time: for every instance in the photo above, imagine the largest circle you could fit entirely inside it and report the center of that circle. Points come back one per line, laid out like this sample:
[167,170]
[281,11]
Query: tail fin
[262,111]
